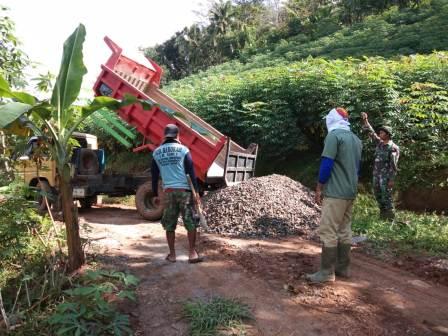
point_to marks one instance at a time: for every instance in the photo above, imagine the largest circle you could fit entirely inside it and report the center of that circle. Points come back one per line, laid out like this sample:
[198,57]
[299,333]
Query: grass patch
[410,233]
[208,318]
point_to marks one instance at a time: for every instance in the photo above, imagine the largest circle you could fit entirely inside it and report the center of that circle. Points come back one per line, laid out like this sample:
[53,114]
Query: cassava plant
[55,120]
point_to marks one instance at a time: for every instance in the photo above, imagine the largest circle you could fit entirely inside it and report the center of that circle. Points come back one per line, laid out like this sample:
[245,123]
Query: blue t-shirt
[170,158]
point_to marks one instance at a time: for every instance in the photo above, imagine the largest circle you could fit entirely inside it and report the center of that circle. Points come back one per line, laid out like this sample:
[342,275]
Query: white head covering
[337,118]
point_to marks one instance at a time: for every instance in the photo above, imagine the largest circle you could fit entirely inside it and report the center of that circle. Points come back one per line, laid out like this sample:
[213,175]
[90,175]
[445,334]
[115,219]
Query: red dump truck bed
[218,160]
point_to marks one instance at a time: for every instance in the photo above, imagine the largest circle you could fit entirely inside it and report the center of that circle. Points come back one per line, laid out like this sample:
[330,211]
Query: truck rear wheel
[148,206]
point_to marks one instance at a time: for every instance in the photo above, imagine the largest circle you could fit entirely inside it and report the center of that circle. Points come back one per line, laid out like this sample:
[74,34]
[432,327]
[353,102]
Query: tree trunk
[75,253]
[3,150]
[5,168]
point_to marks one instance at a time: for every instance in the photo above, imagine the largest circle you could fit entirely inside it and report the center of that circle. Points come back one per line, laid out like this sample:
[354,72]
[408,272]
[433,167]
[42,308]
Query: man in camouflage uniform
[387,154]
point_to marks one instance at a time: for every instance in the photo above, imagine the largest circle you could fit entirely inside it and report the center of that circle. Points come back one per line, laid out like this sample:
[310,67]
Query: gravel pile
[267,206]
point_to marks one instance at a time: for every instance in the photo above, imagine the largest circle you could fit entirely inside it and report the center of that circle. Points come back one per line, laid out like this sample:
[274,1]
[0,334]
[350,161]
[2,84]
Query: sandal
[169,259]
[196,260]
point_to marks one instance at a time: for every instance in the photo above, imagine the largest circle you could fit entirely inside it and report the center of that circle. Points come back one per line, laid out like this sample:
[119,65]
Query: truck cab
[36,169]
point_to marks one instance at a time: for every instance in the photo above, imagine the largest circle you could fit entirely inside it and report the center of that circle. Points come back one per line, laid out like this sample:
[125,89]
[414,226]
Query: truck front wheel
[148,206]
[86,203]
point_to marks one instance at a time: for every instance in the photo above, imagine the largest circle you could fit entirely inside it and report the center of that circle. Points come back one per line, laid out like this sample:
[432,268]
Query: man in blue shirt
[173,162]
[338,181]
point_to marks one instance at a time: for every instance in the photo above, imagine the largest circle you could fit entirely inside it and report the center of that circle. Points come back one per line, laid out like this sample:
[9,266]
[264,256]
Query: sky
[43,25]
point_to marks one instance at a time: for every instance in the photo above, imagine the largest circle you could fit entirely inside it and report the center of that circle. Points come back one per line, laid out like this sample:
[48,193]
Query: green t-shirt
[345,148]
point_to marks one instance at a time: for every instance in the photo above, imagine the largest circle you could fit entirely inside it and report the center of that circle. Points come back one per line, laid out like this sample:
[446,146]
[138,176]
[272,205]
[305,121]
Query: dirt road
[268,276]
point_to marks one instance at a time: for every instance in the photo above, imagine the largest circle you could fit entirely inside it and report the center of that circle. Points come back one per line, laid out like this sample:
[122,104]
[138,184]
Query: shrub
[20,227]
[281,107]
[87,308]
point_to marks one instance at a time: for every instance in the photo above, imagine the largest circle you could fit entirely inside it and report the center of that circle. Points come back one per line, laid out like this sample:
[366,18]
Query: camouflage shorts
[178,202]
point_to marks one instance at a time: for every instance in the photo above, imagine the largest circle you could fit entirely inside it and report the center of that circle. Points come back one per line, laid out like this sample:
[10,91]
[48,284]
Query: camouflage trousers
[178,203]
[383,193]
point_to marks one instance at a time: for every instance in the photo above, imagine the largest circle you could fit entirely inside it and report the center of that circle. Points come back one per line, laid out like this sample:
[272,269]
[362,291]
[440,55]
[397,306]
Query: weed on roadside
[408,233]
[89,307]
[216,316]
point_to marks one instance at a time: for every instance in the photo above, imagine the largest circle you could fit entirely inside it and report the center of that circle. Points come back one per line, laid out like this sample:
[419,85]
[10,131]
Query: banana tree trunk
[75,253]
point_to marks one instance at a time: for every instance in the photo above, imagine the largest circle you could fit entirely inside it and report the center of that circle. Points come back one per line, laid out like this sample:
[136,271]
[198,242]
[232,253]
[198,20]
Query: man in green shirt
[338,182]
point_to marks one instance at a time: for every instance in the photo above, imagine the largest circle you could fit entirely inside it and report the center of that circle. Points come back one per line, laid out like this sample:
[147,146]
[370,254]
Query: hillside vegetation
[293,63]
[393,33]
[259,33]
[303,58]
[281,107]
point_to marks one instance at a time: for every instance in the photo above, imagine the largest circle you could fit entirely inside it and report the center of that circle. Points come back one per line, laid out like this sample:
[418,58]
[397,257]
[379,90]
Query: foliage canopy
[281,107]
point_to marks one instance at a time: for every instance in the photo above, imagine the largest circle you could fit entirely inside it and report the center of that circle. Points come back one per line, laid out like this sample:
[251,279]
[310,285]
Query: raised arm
[366,125]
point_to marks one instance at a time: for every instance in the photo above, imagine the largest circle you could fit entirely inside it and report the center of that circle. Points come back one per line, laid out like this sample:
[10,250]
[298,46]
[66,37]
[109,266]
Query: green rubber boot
[327,263]
[387,214]
[343,264]
[390,214]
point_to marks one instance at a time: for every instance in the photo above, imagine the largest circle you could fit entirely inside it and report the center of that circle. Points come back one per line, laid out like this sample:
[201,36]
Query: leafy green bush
[34,284]
[422,130]
[20,229]
[31,269]
[87,308]
[281,107]
[126,162]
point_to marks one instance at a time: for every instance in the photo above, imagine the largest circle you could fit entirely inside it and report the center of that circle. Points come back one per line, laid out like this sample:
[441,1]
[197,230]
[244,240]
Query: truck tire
[86,203]
[148,206]
[88,162]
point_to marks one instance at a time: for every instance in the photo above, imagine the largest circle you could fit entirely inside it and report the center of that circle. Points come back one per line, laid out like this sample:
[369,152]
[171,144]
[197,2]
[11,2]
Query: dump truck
[36,168]
[218,161]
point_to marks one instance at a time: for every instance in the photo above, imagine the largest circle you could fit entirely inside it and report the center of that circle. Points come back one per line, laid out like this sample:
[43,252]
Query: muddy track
[267,275]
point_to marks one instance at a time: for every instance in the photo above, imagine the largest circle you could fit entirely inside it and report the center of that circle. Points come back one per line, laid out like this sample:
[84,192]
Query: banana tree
[55,120]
